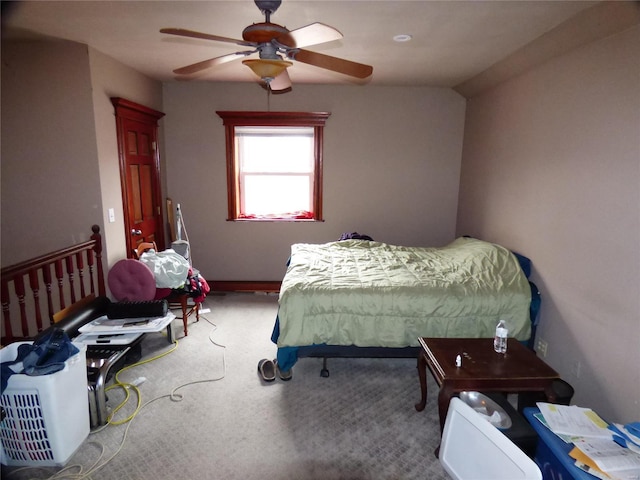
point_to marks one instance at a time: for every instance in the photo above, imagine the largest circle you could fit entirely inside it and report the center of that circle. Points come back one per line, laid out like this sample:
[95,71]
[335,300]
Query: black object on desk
[151,308]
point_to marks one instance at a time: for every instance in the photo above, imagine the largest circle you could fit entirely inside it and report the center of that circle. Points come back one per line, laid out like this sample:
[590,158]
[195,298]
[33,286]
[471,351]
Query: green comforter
[363,293]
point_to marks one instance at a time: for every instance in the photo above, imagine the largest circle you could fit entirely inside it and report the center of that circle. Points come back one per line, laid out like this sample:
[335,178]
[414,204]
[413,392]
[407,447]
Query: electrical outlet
[541,347]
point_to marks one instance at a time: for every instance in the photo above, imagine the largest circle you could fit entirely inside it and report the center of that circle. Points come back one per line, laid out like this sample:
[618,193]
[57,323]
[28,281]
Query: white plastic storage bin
[46,416]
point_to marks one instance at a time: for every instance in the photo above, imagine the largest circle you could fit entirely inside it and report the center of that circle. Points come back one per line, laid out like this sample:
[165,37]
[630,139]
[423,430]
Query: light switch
[112,215]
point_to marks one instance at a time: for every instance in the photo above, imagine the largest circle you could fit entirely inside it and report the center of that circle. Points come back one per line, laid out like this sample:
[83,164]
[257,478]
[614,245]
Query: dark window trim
[232,119]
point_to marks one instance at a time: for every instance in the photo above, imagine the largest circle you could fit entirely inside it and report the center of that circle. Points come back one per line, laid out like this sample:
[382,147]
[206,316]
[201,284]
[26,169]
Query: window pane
[275,194]
[271,150]
[274,165]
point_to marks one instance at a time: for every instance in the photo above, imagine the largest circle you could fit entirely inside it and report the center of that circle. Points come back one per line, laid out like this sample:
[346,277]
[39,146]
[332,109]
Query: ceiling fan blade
[281,82]
[204,36]
[340,65]
[312,34]
[198,67]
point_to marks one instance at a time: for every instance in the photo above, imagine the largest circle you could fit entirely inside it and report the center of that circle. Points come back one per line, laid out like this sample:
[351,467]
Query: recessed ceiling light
[403,37]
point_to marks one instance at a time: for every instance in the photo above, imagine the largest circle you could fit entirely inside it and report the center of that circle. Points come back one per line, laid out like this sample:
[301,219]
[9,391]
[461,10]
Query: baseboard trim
[244,286]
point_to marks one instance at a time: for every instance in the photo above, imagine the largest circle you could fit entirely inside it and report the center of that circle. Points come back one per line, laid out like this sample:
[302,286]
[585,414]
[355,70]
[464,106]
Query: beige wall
[392,160]
[50,179]
[60,166]
[110,78]
[391,170]
[551,168]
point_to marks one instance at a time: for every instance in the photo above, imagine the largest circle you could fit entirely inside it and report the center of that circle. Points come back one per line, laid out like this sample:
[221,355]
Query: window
[274,165]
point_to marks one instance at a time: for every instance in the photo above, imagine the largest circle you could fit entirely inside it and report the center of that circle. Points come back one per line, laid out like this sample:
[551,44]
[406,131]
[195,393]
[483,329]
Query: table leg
[185,316]
[422,374]
[170,336]
[444,397]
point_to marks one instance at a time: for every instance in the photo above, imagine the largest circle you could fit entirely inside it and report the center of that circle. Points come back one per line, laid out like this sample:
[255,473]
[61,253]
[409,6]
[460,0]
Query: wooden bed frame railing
[77,273]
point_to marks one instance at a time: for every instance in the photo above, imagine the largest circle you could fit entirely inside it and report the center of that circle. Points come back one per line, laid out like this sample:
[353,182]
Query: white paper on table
[633,474]
[611,457]
[128,325]
[574,420]
[564,438]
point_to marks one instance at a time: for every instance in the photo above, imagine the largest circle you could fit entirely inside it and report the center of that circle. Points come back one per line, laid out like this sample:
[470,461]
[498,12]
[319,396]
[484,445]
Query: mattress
[366,293]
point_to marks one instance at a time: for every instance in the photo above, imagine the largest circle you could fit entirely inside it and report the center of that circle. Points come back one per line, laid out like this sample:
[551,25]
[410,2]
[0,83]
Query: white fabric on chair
[169,268]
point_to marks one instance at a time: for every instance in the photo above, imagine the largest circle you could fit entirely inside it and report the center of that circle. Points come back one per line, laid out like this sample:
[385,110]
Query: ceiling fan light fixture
[267,69]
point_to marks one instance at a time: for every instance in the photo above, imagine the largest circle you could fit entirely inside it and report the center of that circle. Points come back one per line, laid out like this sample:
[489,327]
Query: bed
[359,298]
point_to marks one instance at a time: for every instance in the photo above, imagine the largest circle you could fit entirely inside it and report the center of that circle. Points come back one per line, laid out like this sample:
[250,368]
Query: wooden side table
[482,369]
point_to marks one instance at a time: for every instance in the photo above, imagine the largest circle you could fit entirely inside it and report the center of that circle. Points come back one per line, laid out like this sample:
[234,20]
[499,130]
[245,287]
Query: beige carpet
[360,423]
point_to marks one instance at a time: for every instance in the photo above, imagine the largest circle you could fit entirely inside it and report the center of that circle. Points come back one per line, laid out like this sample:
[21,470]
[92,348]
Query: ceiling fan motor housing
[267,7]
[269,38]
[264,32]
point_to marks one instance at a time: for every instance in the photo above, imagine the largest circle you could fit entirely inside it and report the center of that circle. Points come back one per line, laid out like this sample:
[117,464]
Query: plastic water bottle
[500,340]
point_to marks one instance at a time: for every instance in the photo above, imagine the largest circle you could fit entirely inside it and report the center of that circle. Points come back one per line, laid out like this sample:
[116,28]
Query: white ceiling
[453,41]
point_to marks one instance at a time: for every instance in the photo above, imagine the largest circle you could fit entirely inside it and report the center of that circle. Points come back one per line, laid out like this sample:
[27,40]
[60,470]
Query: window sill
[277,220]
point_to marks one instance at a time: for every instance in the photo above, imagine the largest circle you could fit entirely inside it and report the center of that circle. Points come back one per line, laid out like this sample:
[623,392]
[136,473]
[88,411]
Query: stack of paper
[121,331]
[595,450]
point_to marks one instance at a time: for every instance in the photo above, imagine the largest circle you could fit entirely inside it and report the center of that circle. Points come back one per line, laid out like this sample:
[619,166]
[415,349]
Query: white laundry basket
[46,417]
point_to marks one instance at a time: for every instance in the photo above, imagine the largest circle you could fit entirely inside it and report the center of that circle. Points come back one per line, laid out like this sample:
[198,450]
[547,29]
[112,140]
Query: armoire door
[137,128]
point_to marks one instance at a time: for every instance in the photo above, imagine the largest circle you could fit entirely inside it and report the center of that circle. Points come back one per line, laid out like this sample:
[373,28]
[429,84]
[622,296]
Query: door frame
[126,109]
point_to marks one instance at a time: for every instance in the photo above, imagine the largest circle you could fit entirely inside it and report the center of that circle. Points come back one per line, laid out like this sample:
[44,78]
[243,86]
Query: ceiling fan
[272,42]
